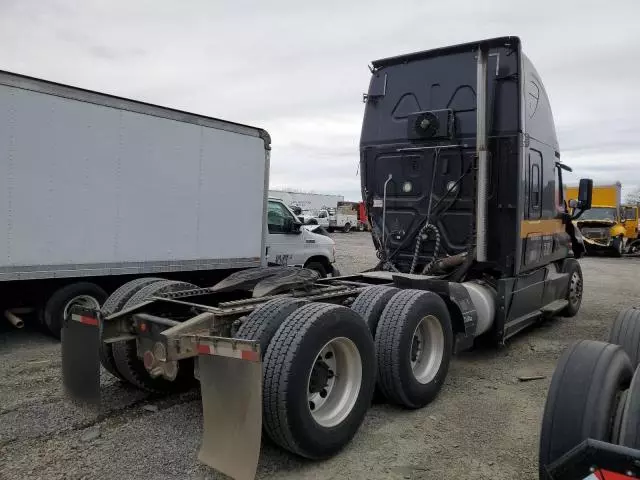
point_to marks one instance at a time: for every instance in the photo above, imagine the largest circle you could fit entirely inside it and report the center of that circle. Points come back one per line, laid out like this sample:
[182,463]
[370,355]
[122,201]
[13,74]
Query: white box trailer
[95,187]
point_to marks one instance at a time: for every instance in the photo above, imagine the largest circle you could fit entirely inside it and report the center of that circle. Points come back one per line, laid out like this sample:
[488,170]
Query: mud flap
[80,362]
[231,384]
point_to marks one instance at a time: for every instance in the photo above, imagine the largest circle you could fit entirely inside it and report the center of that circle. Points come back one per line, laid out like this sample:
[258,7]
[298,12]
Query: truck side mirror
[585,191]
[291,226]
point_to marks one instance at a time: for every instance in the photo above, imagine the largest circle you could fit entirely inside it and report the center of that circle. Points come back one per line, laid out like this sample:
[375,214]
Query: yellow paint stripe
[541,227]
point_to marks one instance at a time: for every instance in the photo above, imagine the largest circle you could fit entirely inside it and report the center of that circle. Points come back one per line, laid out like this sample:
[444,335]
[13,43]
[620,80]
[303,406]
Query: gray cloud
[298,69]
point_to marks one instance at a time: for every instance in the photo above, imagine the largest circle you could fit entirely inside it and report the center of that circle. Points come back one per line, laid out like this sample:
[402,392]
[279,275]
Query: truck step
[554,307]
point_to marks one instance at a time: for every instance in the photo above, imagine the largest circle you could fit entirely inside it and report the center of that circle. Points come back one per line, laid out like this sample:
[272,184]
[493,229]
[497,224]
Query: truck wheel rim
[334,382]
[86,301]
[575,289]
[427,349]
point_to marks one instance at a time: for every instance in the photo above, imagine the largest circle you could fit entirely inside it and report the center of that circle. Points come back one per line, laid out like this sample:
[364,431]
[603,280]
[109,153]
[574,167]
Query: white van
[290,243]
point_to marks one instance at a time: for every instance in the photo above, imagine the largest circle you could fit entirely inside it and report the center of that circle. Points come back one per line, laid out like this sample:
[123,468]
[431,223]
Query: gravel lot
[484,424]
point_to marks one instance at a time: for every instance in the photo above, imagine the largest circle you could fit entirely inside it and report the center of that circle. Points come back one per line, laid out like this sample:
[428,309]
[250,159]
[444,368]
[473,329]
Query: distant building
[307,201]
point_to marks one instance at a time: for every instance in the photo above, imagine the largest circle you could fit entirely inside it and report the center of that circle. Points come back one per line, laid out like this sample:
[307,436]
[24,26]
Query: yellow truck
[609,227]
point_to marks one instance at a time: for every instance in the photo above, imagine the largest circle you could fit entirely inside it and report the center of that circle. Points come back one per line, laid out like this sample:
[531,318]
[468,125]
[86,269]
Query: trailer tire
[630,423]
[582,398]
[625,332]
[116,301]
[409,319]
[575,288]
[346,228]
[262,324]
[57,307]
[370,304]
[125,353]
[299,366]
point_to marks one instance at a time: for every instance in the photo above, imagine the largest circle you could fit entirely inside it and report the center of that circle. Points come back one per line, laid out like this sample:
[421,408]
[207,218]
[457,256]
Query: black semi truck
[462,180]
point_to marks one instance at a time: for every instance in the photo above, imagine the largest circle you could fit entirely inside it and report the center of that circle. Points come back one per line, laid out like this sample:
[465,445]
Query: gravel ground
[484,424]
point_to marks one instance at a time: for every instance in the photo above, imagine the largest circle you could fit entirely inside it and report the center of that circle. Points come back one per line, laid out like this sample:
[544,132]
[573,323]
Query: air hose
[416,252]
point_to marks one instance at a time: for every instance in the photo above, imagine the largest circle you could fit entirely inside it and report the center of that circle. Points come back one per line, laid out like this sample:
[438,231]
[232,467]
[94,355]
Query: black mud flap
[80,362]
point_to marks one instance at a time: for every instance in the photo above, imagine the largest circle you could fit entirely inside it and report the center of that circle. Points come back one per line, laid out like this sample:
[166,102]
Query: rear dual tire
[414,344]
[370,304]
[116,302]
[318,380]
[125,353]
[263,323]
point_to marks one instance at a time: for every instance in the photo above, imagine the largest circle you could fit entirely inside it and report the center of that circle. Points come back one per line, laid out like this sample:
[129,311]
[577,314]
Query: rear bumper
[603,460]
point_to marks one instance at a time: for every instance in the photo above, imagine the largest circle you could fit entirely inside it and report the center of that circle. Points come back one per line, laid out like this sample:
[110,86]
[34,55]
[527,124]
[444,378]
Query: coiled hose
[416,252]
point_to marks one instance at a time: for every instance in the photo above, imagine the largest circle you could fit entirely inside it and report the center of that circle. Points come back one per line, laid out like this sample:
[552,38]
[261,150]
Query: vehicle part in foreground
[583,397]
[625,332]
[591,421]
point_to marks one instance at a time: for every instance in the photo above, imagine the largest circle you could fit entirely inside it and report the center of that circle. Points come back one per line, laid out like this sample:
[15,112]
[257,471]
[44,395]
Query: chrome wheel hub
[575,288]
[427,349]
[334,382]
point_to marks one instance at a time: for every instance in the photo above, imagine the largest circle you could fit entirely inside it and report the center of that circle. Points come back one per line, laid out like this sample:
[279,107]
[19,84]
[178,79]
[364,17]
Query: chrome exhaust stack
[482,186]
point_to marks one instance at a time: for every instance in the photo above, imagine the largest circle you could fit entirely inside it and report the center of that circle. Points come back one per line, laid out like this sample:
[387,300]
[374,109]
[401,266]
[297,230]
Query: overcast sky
[299,69]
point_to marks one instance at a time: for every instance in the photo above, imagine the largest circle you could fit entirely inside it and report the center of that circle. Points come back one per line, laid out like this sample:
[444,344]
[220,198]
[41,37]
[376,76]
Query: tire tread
[582,396]
[371,302]
[282,381]
[263,322]
[391,357]
[625,332]
[277,364]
